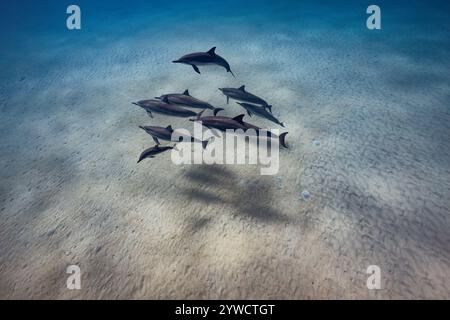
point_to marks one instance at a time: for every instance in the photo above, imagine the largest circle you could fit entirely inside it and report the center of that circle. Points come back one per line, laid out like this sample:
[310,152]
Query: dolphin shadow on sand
[215,184]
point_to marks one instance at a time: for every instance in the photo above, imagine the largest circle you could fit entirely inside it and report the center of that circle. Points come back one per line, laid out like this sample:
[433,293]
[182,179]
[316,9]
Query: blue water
[368,115]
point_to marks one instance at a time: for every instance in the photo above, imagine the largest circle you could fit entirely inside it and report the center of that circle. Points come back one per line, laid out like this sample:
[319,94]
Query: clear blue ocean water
[368,115]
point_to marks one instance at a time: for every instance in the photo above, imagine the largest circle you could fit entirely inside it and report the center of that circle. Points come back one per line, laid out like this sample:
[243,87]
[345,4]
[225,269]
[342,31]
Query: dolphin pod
[204,58]
[178,104]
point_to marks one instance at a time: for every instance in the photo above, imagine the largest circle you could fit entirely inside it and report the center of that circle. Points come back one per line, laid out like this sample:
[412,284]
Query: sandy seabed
[369,128]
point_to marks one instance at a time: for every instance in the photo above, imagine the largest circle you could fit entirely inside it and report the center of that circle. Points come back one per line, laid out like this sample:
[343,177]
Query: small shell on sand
[306,195]
[316,142]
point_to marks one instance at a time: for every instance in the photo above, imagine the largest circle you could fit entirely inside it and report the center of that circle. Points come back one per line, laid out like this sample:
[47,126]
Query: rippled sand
[379,178]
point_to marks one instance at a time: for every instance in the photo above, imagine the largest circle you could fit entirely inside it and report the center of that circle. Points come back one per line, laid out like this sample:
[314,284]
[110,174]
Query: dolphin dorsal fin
[211,51]
[186,92]
[169,127]
[165,99]
[239,118]
[242,88]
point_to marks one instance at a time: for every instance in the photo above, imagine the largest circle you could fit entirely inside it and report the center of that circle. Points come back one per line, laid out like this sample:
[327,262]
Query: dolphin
[259,111]
[185,99]
[164,108]
[204,58]
[224,123]
[166,134]
[281,138]
[221,123]
[153,151]
[241,95]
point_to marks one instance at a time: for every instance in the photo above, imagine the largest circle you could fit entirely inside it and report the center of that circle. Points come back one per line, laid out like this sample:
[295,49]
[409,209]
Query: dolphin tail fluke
[217,110]
[282,138]
[269,107]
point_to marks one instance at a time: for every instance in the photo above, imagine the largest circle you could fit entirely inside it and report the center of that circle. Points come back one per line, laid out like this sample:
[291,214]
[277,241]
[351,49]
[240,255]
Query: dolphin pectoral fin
[196,69]
[156,140]
[205,143]
[249,114]
[199,115]
[149,113]
[269,107]
[281,124]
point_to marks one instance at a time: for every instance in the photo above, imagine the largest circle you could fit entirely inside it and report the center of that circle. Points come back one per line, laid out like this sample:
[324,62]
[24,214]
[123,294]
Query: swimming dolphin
[241,95]
[281,138]
[185,99]
[164,108]
[153,151]
[166,134]
[259,111]
[224,123]
[221,123]
[204,58]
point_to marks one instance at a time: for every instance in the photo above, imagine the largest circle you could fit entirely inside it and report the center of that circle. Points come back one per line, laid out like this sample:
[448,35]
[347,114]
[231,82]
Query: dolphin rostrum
[259,111]
[241,95]
[164,108]
[153,151]
[204,58]
[166,134]
[185,99]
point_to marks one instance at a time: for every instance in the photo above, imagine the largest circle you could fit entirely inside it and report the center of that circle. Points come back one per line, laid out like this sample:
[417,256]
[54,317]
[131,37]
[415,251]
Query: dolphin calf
[259,111]
[166,134]
[185,99]
[164,108]
[153,151]
[204,58]
[241,95]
